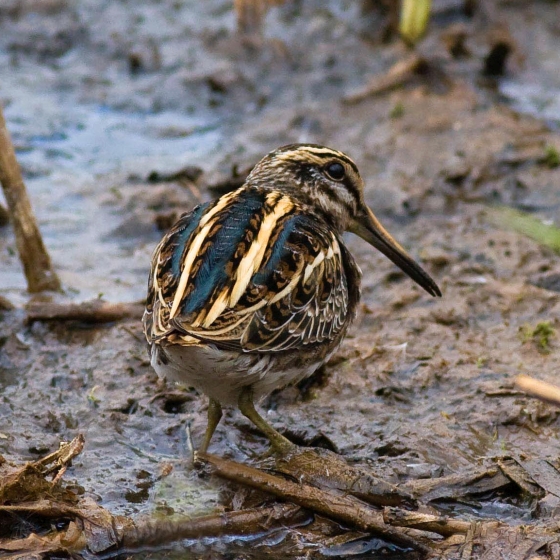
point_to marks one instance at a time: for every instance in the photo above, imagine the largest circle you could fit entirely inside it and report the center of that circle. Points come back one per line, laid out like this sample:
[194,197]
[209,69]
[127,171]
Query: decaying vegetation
[308,483]
[435,429]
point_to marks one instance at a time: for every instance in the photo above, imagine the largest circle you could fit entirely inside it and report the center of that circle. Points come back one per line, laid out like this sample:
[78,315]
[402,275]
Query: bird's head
[328,183]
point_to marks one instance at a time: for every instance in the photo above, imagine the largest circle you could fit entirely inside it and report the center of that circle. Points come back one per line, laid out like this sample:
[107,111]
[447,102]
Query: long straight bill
[367,226]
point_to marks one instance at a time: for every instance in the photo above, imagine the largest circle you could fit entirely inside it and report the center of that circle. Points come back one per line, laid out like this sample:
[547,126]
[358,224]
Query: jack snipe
[256,290]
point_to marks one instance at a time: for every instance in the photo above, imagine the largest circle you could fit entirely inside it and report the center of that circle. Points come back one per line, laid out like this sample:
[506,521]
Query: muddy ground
[100,94]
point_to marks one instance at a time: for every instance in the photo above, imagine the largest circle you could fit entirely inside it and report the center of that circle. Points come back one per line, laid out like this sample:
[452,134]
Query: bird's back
[252,272]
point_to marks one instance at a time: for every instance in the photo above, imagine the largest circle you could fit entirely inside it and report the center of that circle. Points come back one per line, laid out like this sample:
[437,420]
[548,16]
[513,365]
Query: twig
[62,456]
[456,486]
[519,475]
[468,545]
[540,389]
[434,523]
[32,252]
[4,216]
[325,469]
[250,15]
[346,509]
[95,311]
[61,459]
[397,75]
[26,482]
[245,522]
[132,535]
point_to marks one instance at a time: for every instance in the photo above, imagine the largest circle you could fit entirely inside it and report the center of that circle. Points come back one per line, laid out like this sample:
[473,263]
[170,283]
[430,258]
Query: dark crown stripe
[320,152]
[331,154]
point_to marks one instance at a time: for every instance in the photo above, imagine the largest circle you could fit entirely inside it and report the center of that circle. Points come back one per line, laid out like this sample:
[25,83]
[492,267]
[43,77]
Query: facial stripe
[298,156]
[344,194]
[330,195]
[301,158]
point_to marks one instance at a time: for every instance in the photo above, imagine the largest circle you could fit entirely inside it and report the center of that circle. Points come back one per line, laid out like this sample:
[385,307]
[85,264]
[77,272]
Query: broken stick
[331,504]
[400,73]
[245,522]
[439,524]
[95,311]
[32,252]
[540,389]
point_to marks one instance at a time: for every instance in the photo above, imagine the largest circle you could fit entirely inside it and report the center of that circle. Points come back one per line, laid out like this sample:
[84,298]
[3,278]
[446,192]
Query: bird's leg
[214,417]
[247,408]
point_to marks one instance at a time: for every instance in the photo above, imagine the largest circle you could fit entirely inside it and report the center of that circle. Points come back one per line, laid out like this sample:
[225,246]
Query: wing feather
[280,278]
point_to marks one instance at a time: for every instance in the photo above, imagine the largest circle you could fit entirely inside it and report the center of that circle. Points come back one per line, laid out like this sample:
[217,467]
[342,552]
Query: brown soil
[422,387]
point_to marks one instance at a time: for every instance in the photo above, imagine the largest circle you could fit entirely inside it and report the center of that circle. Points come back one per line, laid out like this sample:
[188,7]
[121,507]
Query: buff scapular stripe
[189,259]
[194,248]
[251,262]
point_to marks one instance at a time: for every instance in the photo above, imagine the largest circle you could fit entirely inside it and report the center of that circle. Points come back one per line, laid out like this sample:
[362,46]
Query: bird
[256,290]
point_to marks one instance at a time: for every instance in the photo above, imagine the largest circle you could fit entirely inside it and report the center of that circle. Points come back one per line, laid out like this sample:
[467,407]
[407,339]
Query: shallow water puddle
[71,204]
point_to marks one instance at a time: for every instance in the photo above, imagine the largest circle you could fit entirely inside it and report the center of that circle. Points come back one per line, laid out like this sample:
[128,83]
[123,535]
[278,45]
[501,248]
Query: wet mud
[124,115]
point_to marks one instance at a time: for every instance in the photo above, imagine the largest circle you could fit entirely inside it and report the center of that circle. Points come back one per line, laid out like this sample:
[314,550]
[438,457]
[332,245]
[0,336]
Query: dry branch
[25,492]
[540,389]
[456,486]
[250,14]
[95,311]
[245,522]
[325,469]
[32,252]
[96,530]
[397,75]
[333,505]
[62,456]
[4,216]
[425,522]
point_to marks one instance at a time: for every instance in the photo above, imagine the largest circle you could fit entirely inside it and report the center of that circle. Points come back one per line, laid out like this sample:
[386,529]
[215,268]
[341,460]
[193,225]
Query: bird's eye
[335,171]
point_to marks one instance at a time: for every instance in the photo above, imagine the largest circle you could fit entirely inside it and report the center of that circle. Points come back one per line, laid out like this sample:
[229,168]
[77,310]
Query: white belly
[221,374]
